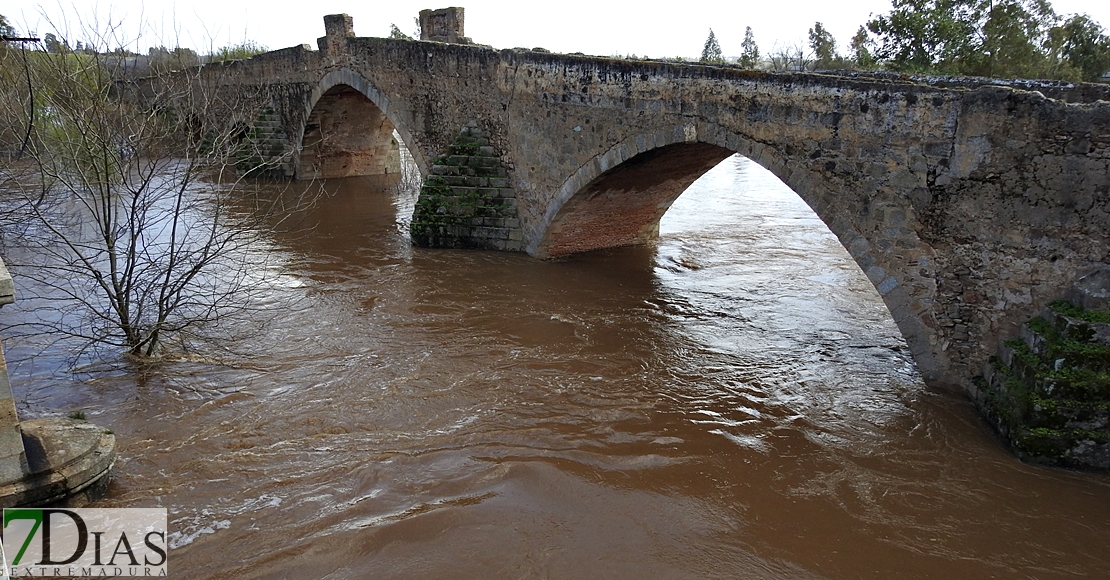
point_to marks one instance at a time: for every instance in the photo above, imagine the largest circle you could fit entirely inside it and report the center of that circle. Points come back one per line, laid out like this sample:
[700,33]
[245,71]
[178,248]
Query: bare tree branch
[127,215]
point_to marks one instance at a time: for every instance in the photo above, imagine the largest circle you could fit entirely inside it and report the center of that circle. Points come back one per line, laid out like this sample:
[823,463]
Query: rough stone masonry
[969,205]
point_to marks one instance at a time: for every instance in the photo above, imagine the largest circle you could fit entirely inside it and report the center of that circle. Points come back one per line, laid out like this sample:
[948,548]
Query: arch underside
[623,206]
[628,189]
[347,135]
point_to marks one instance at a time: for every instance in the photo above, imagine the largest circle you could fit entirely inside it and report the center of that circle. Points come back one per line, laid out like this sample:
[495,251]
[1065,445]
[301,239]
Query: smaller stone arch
[714,145]
[681,154]
[348,130]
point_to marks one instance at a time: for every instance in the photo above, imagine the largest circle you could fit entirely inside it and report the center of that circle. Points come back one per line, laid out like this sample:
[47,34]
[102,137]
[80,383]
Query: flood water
[731,402]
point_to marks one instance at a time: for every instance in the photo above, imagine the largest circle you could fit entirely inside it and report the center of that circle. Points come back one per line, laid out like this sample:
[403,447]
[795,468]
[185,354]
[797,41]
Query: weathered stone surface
[347,135]
[69,463]
[980,203]
[1048,392]
[13,461]
[1092,290]
[456,209]
[443,25]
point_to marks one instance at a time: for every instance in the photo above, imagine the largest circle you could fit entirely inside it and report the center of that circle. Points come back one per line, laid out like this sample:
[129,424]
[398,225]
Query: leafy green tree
[712,50]
[6,29]
[1011,34]
[1080,49]
[923,35]
[995,38]
[861,53]
[395,32]
[52,44]
[823,45]
[749,55]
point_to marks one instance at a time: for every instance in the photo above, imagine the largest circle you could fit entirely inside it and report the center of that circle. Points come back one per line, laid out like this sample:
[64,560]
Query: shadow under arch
[618,197]
[348,131]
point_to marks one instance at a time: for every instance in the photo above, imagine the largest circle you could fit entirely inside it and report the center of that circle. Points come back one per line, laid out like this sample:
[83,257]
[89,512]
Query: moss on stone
[1046,400]
[1078,312]
[456,208]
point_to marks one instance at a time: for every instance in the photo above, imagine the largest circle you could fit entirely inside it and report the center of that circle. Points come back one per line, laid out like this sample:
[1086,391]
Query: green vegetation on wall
[1049,394]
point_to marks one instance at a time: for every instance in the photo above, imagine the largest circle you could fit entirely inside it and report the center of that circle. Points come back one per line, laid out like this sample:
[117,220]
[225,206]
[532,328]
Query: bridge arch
[347,130]
[618,197]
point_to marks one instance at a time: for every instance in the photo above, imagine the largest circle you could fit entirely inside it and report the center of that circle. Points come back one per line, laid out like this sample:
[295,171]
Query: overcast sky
[592,27]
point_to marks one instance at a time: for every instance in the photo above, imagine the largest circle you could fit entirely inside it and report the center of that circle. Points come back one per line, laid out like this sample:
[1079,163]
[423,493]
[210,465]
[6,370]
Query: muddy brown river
[733,401]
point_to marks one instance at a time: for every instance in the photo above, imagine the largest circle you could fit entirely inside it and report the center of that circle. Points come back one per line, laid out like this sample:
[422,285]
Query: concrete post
[50,461]
[13,459]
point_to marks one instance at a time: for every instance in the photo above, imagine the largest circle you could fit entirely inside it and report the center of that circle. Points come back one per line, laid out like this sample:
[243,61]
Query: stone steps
[467,200]
[1048,391]
[266,151]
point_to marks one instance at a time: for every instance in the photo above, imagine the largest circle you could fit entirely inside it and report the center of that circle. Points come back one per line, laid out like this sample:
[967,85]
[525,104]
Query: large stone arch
[354,150]
[704,145]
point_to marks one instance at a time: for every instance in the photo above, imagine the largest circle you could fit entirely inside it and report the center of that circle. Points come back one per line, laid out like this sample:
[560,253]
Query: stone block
[484,162]
[8,416]
[491,233]
[11,441]
[887,285]
[443,25]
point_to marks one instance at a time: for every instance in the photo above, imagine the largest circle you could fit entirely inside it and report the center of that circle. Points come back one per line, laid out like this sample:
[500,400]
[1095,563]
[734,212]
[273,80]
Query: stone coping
[69,463]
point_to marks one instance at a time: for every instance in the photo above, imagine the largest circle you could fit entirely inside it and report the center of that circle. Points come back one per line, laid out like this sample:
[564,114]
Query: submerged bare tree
[126,211]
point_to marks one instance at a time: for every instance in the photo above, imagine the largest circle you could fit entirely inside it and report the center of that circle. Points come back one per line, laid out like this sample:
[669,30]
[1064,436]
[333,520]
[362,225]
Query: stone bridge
[969,205]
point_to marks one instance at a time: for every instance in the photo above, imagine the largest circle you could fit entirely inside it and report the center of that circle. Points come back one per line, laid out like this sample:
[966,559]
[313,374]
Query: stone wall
[347,135]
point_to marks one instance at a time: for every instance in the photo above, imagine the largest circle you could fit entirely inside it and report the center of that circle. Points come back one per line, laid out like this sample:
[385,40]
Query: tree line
[988,38]
[159,58]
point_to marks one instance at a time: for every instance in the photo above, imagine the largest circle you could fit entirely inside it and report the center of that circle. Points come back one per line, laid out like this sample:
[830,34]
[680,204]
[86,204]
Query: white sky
[592,27]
